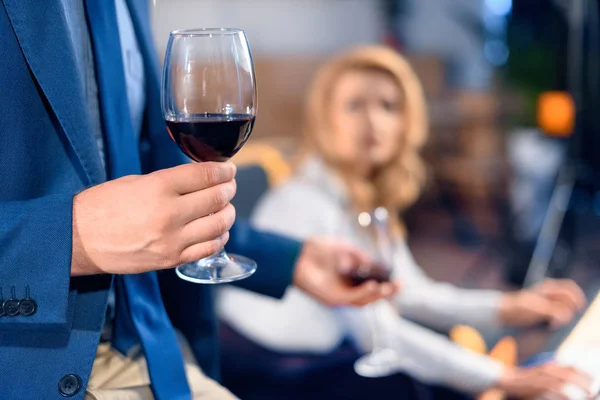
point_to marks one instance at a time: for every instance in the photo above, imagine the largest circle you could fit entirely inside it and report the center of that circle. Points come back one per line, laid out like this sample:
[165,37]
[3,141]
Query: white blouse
[314,202]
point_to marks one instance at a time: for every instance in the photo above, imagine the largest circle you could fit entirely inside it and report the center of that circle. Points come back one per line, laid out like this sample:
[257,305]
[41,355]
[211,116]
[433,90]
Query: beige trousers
[116,377]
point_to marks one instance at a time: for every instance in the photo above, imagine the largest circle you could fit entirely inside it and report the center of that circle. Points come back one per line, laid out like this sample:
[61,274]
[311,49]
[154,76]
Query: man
[80,122]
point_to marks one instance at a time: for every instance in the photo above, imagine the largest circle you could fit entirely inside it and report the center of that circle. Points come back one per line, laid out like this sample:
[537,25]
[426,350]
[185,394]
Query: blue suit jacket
[48,154]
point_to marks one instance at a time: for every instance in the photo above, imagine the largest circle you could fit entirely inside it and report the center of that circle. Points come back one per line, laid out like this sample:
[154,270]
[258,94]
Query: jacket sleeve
[291,214]
[275,255]
[35,257]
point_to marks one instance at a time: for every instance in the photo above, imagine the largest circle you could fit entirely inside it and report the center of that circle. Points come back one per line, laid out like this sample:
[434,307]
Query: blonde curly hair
[399,184]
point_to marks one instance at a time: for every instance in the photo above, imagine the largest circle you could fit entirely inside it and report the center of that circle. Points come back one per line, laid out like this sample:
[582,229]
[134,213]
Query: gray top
[313,203]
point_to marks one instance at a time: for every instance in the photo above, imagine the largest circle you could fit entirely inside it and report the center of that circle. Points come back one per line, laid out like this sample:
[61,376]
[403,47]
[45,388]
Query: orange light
[556,113]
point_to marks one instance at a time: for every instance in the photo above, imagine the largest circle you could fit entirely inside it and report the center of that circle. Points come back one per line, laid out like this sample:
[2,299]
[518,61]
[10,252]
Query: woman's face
[366,119]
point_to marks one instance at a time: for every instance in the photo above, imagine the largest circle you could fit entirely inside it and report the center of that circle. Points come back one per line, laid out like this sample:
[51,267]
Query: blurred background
[512,170]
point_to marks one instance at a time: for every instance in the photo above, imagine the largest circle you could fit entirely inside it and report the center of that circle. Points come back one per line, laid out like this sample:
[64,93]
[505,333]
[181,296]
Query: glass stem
[215,271]
[220,254]
[374,325]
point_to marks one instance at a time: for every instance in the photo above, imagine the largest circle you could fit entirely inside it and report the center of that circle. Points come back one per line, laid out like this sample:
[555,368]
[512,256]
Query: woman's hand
[554,301]
[548,381]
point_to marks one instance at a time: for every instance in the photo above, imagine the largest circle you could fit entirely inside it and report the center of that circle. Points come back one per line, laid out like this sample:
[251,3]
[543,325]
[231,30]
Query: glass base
[218,268]
[378,364]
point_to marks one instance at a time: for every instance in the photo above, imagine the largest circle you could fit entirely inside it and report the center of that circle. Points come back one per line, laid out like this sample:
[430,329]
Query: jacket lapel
[43,36]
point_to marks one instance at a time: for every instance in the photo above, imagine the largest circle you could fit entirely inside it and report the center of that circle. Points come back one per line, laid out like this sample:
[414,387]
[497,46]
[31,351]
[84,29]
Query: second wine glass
[373,230]
[209,105]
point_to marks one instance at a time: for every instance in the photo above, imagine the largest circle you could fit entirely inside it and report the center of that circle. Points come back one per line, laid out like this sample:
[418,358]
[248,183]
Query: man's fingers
[199,204]
[208,228]
[361,295]
[389,289]
[193,177]
[351,259]
[202,250]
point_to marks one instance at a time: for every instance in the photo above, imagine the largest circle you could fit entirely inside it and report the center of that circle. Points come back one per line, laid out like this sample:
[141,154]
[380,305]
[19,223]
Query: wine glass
[373,230]
[209,104]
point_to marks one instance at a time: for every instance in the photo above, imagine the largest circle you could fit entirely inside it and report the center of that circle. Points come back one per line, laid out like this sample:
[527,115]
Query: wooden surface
[282,84]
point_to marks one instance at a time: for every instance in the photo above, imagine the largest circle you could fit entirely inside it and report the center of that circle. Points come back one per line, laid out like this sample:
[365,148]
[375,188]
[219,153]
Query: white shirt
[314,203]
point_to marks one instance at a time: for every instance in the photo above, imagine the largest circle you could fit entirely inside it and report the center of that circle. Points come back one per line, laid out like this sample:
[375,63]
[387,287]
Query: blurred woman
[366,121]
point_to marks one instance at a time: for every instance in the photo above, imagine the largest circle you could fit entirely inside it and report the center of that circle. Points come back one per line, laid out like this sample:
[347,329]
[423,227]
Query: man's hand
[554,301]
[156,221]
[548,381]
[323,268]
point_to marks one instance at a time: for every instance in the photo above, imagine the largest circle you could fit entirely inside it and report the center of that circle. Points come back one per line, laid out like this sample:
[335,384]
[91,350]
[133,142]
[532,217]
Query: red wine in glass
[377,272]
[211,137]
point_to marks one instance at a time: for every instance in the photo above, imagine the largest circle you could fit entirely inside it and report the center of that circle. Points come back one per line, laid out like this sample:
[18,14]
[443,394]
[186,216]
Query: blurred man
[79,106]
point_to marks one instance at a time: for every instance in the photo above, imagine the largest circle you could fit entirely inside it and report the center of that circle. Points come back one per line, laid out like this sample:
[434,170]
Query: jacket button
[11,307]
[27,307]
[69,385]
